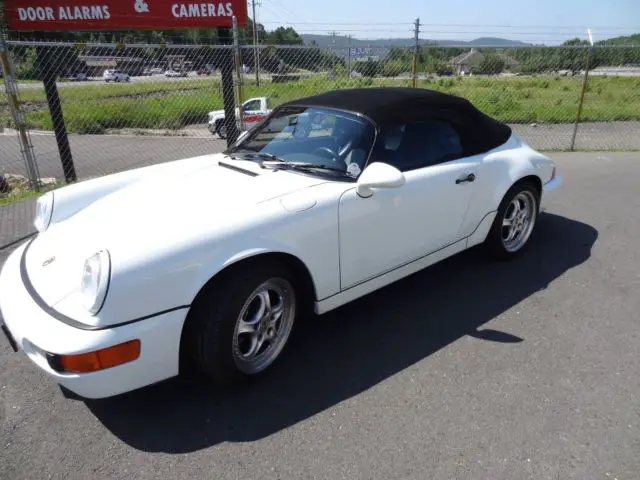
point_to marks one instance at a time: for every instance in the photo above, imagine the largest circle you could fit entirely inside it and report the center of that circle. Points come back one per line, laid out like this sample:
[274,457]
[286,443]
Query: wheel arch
[300,270]
[481,231]
[533,179]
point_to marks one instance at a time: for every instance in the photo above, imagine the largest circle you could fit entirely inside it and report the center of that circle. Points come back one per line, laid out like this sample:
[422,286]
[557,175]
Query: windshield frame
[237,146]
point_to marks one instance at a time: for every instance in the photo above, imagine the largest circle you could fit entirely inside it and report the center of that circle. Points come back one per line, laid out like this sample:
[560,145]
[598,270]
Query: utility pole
[416,33]
[256,52]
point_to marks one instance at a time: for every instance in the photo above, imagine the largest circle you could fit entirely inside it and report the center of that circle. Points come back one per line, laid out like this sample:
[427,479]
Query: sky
[536,21]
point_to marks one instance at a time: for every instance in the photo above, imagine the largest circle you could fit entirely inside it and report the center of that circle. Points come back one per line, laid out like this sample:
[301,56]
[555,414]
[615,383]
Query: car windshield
[336,142]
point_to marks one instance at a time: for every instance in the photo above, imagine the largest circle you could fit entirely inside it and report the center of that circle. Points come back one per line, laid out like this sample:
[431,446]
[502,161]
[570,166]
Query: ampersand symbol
[141,6]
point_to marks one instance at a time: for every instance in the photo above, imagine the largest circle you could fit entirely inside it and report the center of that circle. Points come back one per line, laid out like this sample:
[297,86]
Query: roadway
[469,370]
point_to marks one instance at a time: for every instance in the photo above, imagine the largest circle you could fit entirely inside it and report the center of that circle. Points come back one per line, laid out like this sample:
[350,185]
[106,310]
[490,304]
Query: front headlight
[44,210]
[95,281]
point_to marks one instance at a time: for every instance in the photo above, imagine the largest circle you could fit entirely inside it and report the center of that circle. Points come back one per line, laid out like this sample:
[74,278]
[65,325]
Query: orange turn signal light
[100,359]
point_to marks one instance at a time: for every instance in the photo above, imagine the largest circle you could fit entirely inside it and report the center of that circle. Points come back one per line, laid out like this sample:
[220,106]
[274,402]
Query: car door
[396,226]
[251,113]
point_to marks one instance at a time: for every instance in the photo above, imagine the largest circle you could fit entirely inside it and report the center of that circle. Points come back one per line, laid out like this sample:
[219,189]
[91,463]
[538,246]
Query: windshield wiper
[260,155]
[302,166]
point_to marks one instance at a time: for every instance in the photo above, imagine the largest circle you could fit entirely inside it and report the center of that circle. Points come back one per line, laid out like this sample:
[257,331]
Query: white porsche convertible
[206,264]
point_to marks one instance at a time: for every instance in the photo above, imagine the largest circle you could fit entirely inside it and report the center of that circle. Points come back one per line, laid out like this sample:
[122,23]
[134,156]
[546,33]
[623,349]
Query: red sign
[52,15]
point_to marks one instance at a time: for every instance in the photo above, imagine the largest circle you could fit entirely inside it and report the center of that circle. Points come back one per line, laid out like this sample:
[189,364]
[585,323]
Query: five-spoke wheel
[515,221]
[263,326]
[241,321]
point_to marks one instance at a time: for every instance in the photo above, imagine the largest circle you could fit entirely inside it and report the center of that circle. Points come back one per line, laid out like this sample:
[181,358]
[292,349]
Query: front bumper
[549,192]
[37,333]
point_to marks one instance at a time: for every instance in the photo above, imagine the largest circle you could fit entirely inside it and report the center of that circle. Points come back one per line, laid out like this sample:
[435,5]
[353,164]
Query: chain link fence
[127,106]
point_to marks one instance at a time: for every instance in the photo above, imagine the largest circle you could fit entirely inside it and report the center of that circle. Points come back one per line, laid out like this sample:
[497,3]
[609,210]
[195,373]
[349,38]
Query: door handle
[466,178]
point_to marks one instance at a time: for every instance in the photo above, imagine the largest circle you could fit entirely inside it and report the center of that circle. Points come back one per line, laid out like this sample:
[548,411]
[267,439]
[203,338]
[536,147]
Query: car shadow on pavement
[351,349]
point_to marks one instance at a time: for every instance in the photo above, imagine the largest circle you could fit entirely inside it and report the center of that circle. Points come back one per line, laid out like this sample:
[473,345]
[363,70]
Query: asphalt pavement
[96,155]
[101,154]
[467,370]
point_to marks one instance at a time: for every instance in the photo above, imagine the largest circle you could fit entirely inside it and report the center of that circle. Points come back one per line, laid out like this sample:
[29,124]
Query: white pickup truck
[254,111]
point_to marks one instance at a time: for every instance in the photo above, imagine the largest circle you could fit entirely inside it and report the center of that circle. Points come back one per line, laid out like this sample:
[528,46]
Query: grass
[173,105]
[18,195]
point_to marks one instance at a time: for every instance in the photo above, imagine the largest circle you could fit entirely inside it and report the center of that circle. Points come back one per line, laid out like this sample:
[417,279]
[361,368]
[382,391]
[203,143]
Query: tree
[491,64]
[284,36]
[367,68]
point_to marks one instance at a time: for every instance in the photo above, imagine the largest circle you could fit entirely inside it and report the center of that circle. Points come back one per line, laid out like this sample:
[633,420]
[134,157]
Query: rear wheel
[240,325]
[221,129]
[515,221]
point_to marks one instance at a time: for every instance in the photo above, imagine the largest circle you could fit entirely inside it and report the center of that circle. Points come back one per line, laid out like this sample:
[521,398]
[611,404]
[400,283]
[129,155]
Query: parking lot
[469,370]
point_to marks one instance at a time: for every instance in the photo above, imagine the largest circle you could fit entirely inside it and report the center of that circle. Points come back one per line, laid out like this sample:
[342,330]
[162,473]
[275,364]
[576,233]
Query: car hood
[197,201]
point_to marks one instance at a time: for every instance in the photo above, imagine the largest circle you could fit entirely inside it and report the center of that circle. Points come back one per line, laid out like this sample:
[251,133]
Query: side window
[418,145]
[252,105]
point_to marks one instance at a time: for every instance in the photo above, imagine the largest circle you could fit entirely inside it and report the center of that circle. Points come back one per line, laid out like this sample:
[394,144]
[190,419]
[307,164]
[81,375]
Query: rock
[13,183]
[47,181]
[4,186]
[16,181]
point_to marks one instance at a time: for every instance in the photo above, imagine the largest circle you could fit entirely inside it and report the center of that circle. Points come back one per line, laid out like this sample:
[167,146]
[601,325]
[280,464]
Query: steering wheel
[334,155]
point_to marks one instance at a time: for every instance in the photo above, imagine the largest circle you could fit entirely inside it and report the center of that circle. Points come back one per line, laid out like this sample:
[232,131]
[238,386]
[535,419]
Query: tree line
[390,61]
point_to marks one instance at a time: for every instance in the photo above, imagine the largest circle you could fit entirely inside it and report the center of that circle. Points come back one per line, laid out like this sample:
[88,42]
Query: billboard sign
[80,15]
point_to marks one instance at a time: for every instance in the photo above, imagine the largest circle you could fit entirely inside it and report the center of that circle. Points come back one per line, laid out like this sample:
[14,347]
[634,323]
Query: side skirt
[361,289]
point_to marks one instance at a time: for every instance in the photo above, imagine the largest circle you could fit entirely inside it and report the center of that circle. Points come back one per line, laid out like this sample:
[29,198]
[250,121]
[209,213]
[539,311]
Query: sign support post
[112,15]
[228,93]
[48,73]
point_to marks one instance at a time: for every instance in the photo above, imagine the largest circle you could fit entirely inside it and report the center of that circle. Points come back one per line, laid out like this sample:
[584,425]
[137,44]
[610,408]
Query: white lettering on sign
[82,12]
[194,10]
[32,14]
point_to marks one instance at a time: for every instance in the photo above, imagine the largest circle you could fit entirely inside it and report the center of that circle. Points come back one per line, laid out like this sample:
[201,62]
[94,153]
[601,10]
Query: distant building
[463,63]
[97,64]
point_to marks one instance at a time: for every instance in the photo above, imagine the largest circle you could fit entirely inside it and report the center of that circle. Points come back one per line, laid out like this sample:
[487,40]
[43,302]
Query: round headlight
[95,281]
[44,210]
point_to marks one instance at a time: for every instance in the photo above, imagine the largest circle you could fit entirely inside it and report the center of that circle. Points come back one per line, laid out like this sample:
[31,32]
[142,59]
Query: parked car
[175,73]
[254,111]
[115,76]
[206,71]
[332,197]
[79,77]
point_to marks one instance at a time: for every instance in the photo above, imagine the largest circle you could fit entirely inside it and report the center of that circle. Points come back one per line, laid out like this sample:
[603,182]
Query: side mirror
[379,175]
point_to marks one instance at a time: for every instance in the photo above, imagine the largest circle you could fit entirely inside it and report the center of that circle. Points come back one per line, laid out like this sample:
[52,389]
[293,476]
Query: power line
[551,28]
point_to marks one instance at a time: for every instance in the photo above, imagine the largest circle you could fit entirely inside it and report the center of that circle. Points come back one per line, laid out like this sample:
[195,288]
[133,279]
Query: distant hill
[341,41]
[626,40]
[497,42]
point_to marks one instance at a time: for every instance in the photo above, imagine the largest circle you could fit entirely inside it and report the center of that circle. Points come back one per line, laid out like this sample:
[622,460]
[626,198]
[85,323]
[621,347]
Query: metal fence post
[416,52]
[581,101]
[237,61]
[11,90]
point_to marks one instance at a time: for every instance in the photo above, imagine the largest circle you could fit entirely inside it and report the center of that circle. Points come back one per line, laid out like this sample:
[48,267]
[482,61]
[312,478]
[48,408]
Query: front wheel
[514,222]
[240,325]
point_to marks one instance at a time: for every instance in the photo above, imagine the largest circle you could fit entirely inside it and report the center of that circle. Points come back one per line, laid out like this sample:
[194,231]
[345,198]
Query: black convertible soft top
[396,105]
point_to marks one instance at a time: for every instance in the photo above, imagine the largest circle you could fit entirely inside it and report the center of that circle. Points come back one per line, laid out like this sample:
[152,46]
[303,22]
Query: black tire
[221,130]
[208,345]
[495,243]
